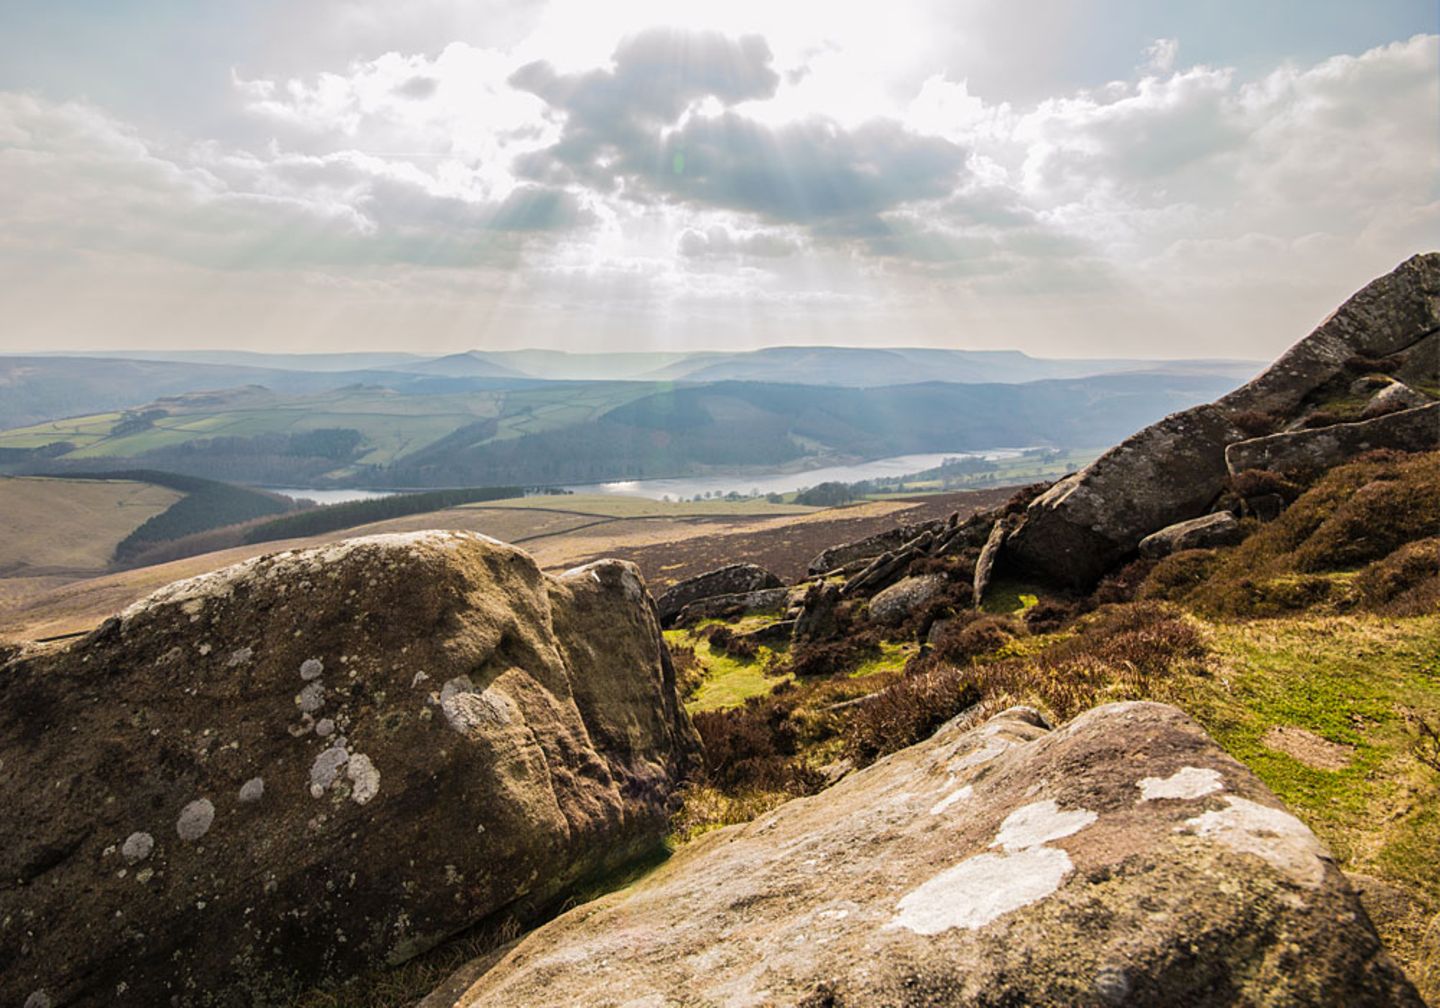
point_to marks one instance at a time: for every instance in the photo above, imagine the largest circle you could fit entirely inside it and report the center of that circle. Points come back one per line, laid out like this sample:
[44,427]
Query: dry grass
[72,525]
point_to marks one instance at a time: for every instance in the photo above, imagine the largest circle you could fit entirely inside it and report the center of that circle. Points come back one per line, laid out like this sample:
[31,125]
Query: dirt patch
[1308,748]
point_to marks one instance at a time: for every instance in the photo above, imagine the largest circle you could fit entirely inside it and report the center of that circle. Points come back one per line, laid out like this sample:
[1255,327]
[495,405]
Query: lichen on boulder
[474,735]
[1123,859]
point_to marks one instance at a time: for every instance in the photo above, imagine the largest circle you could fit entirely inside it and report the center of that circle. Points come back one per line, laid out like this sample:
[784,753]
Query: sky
[1071,178]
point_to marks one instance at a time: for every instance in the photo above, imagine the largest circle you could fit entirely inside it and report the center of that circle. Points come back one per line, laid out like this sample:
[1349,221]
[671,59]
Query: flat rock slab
[1121,860]
[730,580]
[316,762]
[1408,430]
[1205,532]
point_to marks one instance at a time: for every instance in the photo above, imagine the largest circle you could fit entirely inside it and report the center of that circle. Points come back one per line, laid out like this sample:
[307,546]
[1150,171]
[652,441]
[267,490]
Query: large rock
[1388,315]
[1205,532]
[728,606]
[1392,398]
[1086,523]
[1173,470]
[872,546]
[901,600]
[1319,449]
[319,761]
[1122,860]
[731,580]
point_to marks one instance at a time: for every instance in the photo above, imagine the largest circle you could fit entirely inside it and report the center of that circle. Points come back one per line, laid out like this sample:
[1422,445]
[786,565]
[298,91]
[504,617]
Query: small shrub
[1049,615]
[726,640]
[1255,423]
[1121,585]
[1178,574]
[974,635]
[1362,364]
[831,657]
[1405,583]
[1322,418]
[751,747]
[1259,482]
[908,711]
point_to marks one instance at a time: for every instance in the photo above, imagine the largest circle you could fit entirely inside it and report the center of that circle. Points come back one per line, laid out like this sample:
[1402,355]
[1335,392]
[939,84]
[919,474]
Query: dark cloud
[418,87]
[624,126]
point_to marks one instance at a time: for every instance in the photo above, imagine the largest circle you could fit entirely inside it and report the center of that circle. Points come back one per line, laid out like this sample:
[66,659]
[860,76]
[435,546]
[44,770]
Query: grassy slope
[47,523]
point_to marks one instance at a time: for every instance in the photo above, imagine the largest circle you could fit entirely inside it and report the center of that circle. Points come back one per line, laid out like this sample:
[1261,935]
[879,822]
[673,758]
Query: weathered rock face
[895,604]
[320,761]
[738,604]
[872,546]
[1220,529]
[731,580]
[1408,430]
[1122,860]
[1084,524]
[1174,469]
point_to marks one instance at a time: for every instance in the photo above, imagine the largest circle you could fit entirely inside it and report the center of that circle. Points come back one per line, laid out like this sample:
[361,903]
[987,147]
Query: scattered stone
[901,600]
[195,819]
[1206,532]
[312,668]
[732,580]
[817,619]
[1391,399]
[1122,859]
[252,790]
[137,847]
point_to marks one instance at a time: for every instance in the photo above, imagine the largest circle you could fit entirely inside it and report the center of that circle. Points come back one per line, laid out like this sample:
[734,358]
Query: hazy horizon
[1069,179]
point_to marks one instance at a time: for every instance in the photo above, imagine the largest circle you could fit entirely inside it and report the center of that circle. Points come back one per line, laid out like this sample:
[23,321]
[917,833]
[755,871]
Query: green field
[391,425]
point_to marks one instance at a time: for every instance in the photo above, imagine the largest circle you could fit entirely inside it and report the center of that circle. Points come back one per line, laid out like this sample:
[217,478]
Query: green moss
[892,658]
[728,681]
[1008,596]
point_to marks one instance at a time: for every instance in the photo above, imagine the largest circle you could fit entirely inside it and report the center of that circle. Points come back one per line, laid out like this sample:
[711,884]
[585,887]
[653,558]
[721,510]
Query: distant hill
[695,428]
[865,367]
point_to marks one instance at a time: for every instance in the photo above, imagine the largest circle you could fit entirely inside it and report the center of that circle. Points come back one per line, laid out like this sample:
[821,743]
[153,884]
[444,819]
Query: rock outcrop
[895,604]
[1319,449]
[320,761]
[730,606]
[1205,532]
[1121,860]
[1173,470]
[872,546]
[1392,398]
[731,580]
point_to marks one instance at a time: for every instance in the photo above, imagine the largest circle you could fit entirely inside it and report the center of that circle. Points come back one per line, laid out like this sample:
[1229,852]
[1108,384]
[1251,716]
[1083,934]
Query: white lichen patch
[1269,833]
[39,999]
[467,710]
[979,889]
[958,795]
[1039,822]
[137,847]
[1186,784]
[326,768]
[311,668]
[311,698]
[364,778]
[252,790]
[195,819]
[325,727]
[239,657]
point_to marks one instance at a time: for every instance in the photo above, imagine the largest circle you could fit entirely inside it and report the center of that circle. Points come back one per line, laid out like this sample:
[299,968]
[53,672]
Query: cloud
[641,127]
[718,241]
[83,182]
